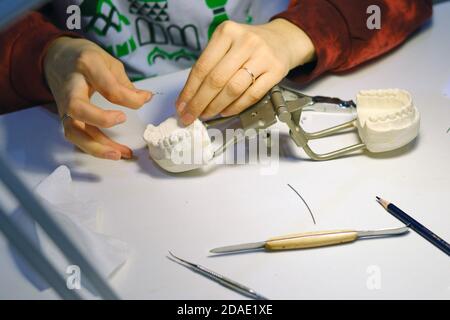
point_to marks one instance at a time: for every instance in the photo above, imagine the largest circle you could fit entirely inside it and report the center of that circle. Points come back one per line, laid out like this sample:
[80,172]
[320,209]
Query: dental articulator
[385,120]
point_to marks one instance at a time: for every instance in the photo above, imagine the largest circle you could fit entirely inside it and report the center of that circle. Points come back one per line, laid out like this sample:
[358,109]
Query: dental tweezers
[226,282]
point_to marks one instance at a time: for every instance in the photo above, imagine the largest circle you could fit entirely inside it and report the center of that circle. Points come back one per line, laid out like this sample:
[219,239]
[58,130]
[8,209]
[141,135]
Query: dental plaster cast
[178,148]
[387,119]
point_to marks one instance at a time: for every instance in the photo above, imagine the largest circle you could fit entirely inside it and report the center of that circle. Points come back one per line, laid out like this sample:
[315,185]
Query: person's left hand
[239,65]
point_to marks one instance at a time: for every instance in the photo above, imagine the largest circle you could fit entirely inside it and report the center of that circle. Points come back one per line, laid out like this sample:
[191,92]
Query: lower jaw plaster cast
[387,119]
[178,148]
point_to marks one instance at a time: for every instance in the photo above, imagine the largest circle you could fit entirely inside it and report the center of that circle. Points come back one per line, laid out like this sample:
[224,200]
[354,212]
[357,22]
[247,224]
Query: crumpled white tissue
[80,219]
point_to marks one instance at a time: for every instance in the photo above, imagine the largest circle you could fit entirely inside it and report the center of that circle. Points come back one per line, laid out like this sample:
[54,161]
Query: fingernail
[148,94]
[121,118]
[181,106]
[187,118]
[112,155]
[127,154]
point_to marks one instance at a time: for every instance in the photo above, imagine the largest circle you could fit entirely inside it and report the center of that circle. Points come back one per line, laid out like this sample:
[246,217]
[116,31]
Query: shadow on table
[29,228]
[33,141]
[150,167]
[288,152]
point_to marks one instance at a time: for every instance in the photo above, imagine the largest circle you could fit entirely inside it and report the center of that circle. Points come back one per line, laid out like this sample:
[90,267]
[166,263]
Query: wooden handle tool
[310,240]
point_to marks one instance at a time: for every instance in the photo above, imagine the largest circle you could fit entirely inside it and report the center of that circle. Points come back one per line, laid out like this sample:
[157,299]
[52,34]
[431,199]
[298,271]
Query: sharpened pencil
[415,225]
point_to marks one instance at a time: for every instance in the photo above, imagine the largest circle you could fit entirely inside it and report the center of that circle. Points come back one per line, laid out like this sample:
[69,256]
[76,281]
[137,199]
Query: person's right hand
[75,69]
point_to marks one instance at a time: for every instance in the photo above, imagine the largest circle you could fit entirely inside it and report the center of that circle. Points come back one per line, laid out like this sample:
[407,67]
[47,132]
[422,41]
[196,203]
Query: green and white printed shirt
[154,37]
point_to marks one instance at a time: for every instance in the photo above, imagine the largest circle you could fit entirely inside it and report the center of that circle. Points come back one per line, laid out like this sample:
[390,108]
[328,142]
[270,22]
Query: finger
[76,104]
[235,87]
[217,47]
[74,132]
[215,81]
[106,83]
[118,70]
[253,94]
[84,111]
[102,138]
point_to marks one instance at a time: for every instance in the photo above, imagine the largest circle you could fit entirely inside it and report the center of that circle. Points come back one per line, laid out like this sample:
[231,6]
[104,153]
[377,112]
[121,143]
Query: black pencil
[415,225]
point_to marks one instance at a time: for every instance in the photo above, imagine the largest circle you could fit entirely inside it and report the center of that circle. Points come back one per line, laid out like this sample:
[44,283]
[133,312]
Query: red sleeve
[338,30]
[22,50]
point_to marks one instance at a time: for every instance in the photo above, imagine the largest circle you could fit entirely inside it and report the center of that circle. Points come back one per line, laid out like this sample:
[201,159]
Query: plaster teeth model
[177,148]
[387,119]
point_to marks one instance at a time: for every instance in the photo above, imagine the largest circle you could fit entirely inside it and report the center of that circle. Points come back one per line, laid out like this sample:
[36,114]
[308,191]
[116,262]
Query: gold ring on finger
[250,73]
[64,118]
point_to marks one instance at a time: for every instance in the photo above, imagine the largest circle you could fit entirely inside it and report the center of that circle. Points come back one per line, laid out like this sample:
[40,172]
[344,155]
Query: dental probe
[310,240]
[226,282]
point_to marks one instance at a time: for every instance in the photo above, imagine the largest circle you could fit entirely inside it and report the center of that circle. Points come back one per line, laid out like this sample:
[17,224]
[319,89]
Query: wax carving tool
[226,282]
[310,240]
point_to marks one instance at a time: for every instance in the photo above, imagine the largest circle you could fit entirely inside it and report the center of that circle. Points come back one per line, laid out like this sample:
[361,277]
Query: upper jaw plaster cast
[386,120]
[177,148]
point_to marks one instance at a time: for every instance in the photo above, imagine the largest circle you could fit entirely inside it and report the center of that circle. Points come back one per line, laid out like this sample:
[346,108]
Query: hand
[75,69]
[219,81]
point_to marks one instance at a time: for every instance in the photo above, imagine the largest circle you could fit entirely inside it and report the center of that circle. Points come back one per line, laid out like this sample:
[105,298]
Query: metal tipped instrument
[310,240]
[226,282]
[286,105]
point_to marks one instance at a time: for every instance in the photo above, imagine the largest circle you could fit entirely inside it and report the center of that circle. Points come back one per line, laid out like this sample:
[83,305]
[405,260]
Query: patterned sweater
[154,37]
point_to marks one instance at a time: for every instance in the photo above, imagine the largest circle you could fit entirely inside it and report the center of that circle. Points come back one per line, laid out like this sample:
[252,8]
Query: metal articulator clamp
[287,106]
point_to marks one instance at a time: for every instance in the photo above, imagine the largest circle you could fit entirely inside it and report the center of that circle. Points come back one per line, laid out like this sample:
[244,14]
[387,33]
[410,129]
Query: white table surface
[191,213]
